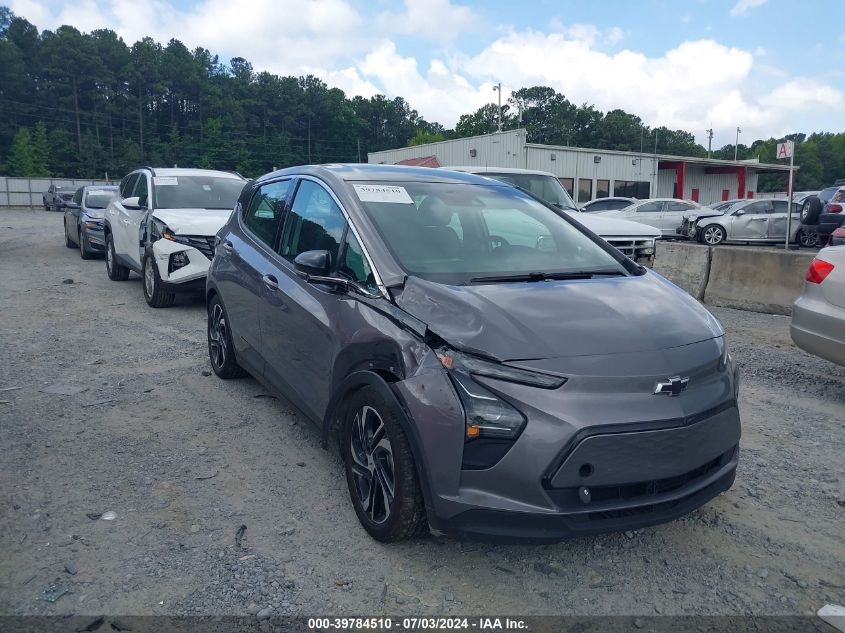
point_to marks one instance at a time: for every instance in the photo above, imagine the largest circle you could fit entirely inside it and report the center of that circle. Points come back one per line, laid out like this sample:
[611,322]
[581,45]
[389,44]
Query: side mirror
[313,263]
[132,203]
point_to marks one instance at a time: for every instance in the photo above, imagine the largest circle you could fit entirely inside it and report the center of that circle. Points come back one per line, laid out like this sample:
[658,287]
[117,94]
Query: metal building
[594,173]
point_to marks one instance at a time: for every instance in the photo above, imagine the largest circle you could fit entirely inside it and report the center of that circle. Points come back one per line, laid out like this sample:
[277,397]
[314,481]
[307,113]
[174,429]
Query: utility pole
[709,141]
[736,145]
[359,150]
[498,88]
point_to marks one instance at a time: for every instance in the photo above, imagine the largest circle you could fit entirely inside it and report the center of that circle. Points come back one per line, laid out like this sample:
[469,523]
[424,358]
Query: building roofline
[448,140]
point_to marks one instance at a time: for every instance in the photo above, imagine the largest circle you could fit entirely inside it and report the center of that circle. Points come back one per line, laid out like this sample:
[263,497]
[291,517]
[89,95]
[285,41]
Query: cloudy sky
[768,66]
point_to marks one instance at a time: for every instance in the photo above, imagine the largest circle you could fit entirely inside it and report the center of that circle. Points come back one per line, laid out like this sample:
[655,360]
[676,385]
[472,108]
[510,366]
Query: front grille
[632,247]
[202,243]
[687,228]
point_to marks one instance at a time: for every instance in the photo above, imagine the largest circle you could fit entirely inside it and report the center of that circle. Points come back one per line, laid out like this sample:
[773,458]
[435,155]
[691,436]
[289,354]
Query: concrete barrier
[756,279]
[684,264]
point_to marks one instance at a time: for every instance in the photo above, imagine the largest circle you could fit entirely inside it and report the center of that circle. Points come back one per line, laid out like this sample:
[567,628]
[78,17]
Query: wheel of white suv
[380,470]
[154,291]
[221,351]
[115,271]
[713,234]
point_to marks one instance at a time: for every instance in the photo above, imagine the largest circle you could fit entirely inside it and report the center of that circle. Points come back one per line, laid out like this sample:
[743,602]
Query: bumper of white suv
[183,261]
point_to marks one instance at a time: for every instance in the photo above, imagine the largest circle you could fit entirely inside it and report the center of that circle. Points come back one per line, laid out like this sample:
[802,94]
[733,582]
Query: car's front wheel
[380,469]
[154,291]
[83,251]
[115,271]
[221,351]
[713,235]
[68,242]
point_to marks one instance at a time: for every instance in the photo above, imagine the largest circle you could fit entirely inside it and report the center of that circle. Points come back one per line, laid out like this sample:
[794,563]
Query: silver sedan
[746,221]
[818,316]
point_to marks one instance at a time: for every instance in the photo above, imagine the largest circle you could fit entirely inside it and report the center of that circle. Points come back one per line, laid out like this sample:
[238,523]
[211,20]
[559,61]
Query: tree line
[86,104]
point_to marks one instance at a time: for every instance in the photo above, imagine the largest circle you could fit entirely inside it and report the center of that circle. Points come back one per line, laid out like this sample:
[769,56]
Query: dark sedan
[84,219]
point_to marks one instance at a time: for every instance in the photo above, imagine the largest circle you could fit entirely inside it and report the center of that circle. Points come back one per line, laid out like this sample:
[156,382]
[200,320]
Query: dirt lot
[185,459]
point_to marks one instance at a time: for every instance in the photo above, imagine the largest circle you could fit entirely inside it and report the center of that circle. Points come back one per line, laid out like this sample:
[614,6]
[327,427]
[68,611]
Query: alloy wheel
[713,235]
[149,276]
[807,240]
[109,256]
[372,464]
[217,336]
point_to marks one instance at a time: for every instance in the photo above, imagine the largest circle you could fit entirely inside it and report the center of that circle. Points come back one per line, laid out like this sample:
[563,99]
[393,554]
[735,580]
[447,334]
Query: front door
[298,340]
[673,216]
[650,213]
[751,222]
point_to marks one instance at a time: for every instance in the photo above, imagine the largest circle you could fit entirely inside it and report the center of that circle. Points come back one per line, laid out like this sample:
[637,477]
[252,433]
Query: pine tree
[40,151]
[21,159]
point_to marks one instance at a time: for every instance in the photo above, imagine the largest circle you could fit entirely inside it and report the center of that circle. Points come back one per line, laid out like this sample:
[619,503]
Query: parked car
[818,315]
[831,217]
[837,238]
[665,214]
[637,241]
[748,221]
[162,225]
[57,197]
[811,210]
[84,220]
[607,204]
[724,204]
[482,359]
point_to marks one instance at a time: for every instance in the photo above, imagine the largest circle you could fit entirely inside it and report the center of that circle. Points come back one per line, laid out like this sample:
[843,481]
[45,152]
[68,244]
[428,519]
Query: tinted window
[141,192]
[757,207]
[77,197]
[197,192]
[602,188]
[782,206]
[99,198]
[127,185]
[650,207]
[502,232]
[678,206]
[265,210]
[315,223]
[585,189]
[354,265]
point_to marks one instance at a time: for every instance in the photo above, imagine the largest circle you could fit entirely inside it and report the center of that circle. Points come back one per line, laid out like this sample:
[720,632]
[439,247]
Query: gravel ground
[186,460]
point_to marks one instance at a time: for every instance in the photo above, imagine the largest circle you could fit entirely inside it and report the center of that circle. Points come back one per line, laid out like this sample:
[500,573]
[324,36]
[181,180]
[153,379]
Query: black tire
[155,294]
[372,434]
[115,271]
[713,234]
[810,210]
[83,252]
[221,351]
[68,242]
[806,239]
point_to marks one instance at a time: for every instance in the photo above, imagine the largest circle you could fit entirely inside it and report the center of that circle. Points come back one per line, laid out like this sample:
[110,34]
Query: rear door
[673,216]
[298,337]
[243,257]
[750,222]
[777,220]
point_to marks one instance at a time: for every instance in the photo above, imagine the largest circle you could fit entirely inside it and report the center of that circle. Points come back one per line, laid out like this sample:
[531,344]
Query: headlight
[487,415]
[692,218]
[94,225]
[159,229]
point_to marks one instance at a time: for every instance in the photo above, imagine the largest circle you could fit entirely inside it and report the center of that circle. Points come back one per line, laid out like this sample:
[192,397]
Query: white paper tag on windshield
[166,180]
[382,193]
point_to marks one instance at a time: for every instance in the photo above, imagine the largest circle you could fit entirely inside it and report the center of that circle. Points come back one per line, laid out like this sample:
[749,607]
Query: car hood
[703,213]
[614,227]
[565,318]
[193,221]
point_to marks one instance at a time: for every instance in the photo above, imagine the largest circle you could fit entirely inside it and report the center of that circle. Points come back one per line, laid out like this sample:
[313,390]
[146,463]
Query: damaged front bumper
[183,265]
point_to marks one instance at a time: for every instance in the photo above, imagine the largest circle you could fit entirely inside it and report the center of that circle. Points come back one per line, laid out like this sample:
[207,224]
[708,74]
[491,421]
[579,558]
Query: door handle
[271,282]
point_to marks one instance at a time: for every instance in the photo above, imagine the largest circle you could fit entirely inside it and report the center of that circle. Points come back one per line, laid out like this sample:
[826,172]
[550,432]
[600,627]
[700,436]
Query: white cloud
[744,6]
[437,20]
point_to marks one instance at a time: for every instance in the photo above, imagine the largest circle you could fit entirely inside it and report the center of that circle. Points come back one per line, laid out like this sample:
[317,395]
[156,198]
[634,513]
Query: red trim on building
[740,182]
[694,195]
[425,161]
[726,195]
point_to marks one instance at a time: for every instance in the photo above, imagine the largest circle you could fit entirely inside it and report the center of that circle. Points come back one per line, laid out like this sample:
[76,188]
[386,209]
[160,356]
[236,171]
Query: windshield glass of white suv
[459,233]
[547,188]
[196,192]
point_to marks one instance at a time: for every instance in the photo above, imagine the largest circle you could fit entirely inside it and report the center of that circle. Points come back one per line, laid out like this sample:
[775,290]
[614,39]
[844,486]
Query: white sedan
[665,214]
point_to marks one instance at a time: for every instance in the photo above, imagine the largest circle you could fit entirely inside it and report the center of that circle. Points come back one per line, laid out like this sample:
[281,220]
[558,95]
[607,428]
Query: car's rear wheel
[221,351]
[380,470]
[115,271]
[713,234]
[155,293]
[68,242]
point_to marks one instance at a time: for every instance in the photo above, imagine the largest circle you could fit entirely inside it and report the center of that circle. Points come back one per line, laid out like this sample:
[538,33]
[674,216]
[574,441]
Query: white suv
[163,224]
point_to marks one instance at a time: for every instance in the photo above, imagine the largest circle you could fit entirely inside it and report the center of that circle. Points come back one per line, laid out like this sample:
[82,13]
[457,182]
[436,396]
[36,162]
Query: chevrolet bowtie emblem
[672,387]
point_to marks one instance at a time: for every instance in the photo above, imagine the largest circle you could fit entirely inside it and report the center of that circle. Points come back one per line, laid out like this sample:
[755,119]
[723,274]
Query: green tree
[40,150]
[422,137]
[22,158]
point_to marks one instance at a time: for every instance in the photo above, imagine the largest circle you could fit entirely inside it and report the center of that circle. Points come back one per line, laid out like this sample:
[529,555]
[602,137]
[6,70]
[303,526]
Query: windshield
[459,233]
[99,198]
[197,192]
[547,188]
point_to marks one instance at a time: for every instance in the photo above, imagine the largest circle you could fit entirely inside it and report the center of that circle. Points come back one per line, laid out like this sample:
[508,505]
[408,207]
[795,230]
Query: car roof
[384,173]
[664,200]
[189,171]
[107,187]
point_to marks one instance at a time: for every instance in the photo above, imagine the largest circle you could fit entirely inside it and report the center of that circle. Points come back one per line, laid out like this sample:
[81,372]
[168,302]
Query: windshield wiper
[541,276]
[564,207]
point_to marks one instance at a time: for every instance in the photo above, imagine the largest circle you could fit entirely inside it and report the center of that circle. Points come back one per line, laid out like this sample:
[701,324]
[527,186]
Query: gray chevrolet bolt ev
[489,367]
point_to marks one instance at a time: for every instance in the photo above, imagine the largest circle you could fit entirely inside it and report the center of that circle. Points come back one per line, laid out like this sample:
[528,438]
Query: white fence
[27,192]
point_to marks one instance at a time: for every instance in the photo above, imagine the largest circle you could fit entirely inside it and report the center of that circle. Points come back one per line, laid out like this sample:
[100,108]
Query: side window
[678,206]
[781,206]
[77,197]
[650,207]
[354,265]
[265,210]
[141,190]
[127,185]
[757,207]
[315,223]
